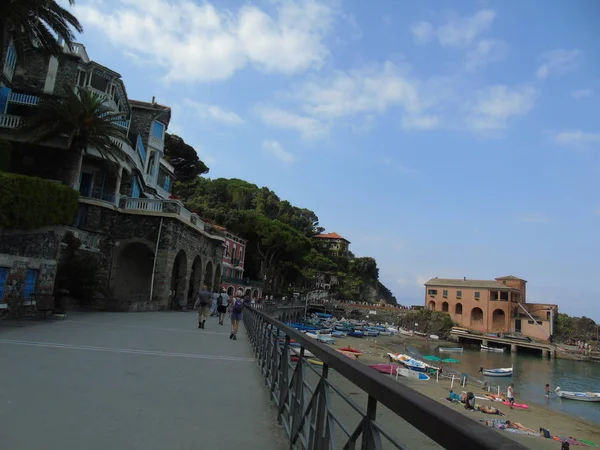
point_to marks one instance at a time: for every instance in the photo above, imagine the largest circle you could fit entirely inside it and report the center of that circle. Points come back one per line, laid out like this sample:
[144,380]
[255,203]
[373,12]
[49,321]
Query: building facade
[491,306]
[333,244]
[152,253]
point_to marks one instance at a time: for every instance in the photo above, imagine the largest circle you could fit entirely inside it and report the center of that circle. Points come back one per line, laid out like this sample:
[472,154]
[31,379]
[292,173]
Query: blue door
[30,280]
[3,277]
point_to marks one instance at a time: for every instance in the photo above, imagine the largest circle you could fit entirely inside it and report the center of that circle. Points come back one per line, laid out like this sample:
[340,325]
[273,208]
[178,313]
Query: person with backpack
[222,304]
[203,305]
[236,316]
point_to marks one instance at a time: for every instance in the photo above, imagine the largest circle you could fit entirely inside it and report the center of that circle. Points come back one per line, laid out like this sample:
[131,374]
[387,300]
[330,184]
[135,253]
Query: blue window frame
[3,277]
[158,130]
[135,189]
[140,148]
[30,280]
[11,56]
[4,94]
[167,184]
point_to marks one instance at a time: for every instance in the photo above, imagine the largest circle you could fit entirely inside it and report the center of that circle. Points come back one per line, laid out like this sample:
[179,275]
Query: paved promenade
[149,381]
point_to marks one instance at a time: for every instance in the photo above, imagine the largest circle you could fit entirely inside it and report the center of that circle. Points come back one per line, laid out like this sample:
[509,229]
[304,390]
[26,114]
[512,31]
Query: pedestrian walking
[215,304]
[222,304]
[236,315]
[547,390]
[202,304]
[510,393]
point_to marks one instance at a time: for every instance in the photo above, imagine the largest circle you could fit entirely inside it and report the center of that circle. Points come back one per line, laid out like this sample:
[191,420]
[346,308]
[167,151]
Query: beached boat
[385,333]
[501,372]
[312,335]
[580,396]
[450,349]
[419,333]
[411,374]
[324,315]
[388,369]
[326,339]
[349,354]
[486,348]
[410,363]
[338,334]
[434,337]
[352,350]
[357,334]
[405,332]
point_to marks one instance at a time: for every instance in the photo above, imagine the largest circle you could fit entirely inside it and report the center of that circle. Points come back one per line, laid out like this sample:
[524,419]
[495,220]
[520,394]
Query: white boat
[411,374]
[581,396]
[458,331]
[405,332]
[434,337]
[312,335]
[450,349]
[492,349]
[501,372]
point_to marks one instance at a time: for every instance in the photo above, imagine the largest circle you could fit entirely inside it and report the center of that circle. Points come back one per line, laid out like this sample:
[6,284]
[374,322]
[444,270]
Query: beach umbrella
[432,358]
[450,360]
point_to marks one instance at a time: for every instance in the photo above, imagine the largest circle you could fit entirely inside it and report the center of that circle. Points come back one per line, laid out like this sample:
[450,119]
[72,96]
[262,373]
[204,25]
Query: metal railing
[310,414]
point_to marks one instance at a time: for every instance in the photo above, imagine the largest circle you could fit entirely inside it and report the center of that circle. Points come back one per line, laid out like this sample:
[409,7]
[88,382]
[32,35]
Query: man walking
[203,305]
[222,304]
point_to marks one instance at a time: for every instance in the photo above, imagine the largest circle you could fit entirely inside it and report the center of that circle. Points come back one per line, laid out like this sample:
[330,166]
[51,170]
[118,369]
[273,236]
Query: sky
[444,138]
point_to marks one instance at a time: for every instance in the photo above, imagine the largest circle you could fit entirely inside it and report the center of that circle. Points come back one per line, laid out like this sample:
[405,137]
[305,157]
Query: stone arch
[431,305]
[444,306]
[498,318]
[217,282]
[132,271]
[208,275]
[195,280]
[255,294]
[476,315]
[458,308]
[178,281]
[230,290]
[248,292]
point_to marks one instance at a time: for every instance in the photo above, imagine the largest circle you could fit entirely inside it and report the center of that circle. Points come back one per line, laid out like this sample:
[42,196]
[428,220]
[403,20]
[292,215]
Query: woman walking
[236,316]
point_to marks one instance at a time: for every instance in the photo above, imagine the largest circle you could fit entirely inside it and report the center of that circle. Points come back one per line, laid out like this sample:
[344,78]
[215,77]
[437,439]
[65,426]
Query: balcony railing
[122,124]
[157,143]
[9,121]
[314,412]
[108,100]
[135,157]
[23,99]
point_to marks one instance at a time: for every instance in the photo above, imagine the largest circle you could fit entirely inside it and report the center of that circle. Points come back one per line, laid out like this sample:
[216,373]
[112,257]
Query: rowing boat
[581,396]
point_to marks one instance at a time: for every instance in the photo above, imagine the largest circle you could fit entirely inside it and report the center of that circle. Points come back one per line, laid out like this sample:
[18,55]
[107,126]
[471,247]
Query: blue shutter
[30,280]
[3,277]
[135,190]
[4,94]
[167,184]
[141,149]
[158,130]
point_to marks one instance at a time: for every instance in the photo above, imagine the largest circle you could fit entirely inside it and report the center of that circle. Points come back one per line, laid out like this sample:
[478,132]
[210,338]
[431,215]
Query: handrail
[449,428]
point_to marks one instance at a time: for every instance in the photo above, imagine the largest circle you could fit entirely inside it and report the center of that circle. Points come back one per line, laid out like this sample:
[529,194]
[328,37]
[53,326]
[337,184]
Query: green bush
[28,202]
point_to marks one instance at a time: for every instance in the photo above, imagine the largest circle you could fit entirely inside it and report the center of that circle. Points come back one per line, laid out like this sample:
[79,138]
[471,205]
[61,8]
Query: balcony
[122,124]
[9,121]
[161,192]
[23,99]
[156,143]
[108,101]
[150,180]
[9,71]
[129,151]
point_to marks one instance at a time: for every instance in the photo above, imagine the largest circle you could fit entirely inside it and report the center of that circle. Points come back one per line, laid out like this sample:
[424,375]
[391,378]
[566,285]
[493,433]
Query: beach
[559,424]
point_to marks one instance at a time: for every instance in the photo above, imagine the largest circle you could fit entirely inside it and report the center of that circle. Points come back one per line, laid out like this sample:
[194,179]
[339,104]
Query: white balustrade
[23,99]
[9,121]
[143,204]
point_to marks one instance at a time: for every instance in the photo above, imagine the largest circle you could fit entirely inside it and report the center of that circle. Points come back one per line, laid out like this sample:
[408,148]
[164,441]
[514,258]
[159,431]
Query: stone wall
[30,72]
[68,66]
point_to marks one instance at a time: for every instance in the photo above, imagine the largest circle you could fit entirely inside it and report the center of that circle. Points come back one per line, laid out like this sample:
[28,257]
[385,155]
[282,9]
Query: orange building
[333,244]
[491,306]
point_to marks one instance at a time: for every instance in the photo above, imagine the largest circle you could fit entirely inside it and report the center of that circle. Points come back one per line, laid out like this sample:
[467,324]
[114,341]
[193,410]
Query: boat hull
[451,349]
[580,396]
[504,372]
[412,374]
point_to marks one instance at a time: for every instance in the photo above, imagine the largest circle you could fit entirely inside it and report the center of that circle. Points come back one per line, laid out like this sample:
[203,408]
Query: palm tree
[83,119]
[39,22]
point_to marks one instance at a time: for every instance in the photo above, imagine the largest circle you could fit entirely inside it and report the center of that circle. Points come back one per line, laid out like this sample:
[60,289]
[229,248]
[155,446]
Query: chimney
[153,100]
[465,278]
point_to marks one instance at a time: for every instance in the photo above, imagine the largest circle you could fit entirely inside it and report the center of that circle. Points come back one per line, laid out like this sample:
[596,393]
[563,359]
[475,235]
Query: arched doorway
[218,274]
[195,278]
[432,305]
[230,291]
[255,294]
[248,292]
[132,271]
[444,306]
[208,276]
[178,284]
[476,316]
[458,308]
[498,318]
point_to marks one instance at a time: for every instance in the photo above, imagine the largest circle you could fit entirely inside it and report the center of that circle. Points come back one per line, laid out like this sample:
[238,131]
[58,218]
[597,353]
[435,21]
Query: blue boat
[324,315]
[357,334]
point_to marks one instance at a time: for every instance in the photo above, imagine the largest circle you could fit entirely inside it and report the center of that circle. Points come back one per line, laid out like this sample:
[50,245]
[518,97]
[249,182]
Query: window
[135,189]
[458,294]
[432,292]
[3,277]
[445,293]
[11,60]
[477,295]
[30,280]
[158,130]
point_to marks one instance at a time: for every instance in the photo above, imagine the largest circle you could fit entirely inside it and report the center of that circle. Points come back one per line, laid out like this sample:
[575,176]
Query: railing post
[319,441]
[283,377]
[368,441]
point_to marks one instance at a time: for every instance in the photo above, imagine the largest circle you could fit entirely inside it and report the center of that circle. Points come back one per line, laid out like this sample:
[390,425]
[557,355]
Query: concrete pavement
[131,381]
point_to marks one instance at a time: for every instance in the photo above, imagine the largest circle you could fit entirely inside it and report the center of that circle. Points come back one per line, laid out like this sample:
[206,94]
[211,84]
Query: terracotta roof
[484,284]
[330,236]
[510,277]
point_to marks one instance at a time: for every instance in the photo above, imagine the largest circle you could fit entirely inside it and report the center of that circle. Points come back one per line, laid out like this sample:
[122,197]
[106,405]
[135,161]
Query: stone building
[152,252]
[333,244]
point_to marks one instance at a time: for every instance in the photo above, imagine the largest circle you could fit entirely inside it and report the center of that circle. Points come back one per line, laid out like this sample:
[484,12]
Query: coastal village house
[333,245]
[491,306]
[152,253]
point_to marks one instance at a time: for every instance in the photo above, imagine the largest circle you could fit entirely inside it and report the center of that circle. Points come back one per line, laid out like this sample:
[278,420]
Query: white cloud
[199,42]
[309,127]
[215,113]
[558,62]
[422,32]
[495,106]
[578,94]
[577,138]
[534,218]
[277,150]
[486,52]
[462,31]
[420,122]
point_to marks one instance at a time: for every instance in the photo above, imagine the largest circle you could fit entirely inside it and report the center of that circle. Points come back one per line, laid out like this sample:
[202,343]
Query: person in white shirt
[222,305]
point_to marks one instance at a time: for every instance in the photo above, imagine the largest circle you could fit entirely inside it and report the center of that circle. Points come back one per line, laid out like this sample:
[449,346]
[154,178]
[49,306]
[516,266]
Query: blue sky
[444,138]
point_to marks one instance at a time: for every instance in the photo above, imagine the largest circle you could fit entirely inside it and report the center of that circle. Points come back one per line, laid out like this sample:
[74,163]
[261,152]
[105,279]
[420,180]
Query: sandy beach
[375,351]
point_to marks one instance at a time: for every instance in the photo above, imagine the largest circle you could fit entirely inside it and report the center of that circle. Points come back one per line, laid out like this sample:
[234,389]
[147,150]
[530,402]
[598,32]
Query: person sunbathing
[453,396]
[517,426]
[490,410]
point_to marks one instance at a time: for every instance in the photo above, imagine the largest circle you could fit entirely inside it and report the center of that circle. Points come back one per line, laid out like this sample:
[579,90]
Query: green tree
[36,23]
[83,119]
[184,158]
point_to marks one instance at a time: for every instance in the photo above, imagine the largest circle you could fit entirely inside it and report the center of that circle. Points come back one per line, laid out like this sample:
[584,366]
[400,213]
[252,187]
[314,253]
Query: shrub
[28,202]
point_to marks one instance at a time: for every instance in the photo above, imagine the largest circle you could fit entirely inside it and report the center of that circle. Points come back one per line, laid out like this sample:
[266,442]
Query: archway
[444,306]
[218,274]
[458,308]
[432,305]
[248,292]
[476,315]
[208,276]
[498,318]
[230,291]
[132,271]
[195,279]
[178,282]
[255,294]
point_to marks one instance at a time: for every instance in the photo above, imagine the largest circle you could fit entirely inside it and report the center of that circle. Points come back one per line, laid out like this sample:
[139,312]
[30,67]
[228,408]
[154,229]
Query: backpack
[237,307]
